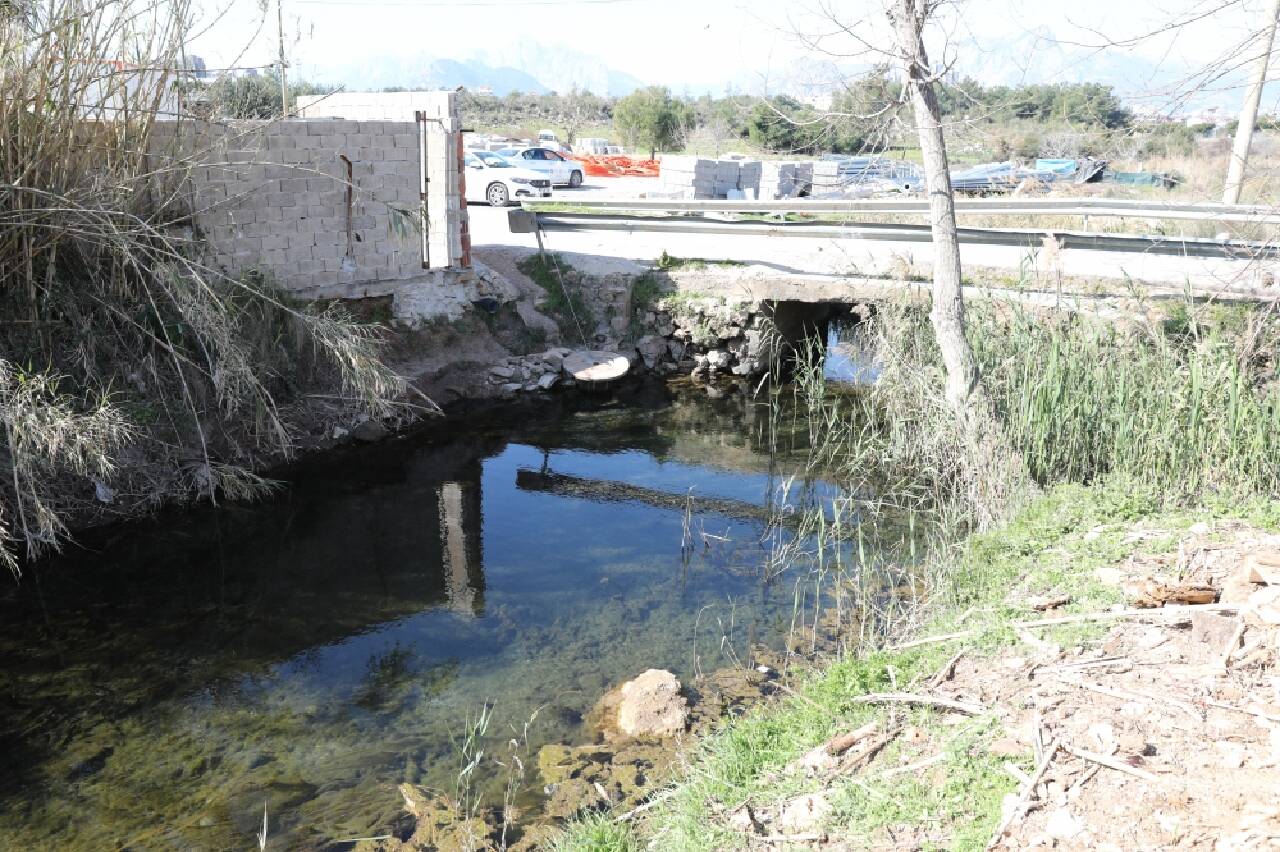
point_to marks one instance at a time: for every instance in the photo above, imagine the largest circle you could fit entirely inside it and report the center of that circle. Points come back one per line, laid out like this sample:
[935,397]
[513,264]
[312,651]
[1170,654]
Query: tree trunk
[947,314]
[1249,112]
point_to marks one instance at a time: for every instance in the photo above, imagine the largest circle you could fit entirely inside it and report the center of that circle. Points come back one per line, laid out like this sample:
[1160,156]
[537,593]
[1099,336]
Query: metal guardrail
[1106,207]
[527,222]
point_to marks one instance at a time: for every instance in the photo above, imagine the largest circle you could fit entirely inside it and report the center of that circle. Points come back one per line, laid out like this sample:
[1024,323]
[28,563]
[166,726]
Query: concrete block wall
[325,204]
[448,231]
[377,106]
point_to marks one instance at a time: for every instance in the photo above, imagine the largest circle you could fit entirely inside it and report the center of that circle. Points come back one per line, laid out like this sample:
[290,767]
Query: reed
[1185,404]
[104,293]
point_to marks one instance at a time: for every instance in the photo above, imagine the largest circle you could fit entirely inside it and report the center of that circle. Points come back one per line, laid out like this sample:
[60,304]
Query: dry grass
[102,289]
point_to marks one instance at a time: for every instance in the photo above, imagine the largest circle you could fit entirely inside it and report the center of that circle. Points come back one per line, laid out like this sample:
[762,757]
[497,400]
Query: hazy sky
[694,45]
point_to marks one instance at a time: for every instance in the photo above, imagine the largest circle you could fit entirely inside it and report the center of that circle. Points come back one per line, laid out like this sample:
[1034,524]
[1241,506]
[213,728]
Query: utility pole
[1249,112]
[284,83]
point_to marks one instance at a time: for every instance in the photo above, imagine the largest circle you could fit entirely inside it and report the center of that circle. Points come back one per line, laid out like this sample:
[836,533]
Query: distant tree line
[1062,119]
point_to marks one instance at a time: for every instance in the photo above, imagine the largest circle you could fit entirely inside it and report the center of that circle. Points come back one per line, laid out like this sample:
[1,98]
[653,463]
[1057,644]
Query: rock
[501,372]
[370,431]
[1239,586]
[1109,576]
[1265,604]
[555,763]
[1263,566]
[553,359]
[1212,629]
[652,349]
[548,381]
[1007,747]
[439,824]
[511,388]
[718,359]
[572,797]
[1062,825]
[652,706]
[1230,755]
[804,813]
[103,492]
[339,433]
[619,324]
[596,366]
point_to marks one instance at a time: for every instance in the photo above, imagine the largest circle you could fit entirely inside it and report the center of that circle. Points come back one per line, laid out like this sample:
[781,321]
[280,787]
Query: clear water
[168,680]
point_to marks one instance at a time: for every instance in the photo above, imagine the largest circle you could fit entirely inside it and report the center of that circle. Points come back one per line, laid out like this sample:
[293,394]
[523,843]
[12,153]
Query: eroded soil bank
[1099,674]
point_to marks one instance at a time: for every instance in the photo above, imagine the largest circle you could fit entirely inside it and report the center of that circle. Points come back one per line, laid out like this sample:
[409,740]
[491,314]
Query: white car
[561,170]
[497,180]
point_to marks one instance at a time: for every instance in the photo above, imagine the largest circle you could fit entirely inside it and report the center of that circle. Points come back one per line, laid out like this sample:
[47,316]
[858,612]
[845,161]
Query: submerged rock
[370,431]
[438,824]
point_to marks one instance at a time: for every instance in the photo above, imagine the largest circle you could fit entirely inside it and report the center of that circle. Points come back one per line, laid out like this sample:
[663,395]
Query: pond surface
[167,680]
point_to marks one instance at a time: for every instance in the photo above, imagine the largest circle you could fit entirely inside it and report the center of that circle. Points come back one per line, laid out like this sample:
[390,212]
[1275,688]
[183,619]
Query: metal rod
[284,83]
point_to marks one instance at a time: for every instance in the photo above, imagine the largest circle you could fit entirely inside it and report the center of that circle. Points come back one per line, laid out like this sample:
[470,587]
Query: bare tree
[947,314]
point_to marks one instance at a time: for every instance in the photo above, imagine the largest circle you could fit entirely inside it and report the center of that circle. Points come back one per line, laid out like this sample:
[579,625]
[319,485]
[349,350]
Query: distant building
[820,101]
[1213,116]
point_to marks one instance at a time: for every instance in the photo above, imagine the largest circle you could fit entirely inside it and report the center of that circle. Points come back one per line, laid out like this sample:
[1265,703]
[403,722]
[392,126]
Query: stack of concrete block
[749,172]
[727,174]
[828,177]
[691,177]
[785,179]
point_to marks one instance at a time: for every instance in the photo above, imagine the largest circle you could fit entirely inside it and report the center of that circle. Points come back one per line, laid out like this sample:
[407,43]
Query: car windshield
[493,161]
[508,152]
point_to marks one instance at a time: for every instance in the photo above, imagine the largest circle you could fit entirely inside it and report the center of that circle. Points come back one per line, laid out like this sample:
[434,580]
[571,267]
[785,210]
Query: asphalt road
[607,251]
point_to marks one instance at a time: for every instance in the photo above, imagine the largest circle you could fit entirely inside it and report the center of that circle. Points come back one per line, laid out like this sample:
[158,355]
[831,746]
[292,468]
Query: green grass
[1185,404]
[564,301]
[956,804]
[667,262]
[598,832]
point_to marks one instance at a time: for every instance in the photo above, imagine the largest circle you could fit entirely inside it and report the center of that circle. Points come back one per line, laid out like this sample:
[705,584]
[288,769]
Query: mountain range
[536,68]
[531,68]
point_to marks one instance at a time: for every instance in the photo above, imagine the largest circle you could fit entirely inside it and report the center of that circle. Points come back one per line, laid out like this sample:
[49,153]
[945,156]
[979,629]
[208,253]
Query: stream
[165,681]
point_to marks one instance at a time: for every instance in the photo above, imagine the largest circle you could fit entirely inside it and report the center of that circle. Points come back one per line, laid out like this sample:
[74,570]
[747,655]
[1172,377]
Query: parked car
[495,179]
[561,170]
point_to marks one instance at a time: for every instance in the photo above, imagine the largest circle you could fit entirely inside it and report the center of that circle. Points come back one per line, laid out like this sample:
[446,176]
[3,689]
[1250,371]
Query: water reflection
[163,683]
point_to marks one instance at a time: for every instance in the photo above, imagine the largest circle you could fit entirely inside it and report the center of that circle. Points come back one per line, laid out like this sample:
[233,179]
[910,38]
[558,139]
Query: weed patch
[564,301]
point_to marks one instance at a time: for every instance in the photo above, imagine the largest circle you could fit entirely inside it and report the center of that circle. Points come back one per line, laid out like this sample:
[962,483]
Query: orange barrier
[598,166]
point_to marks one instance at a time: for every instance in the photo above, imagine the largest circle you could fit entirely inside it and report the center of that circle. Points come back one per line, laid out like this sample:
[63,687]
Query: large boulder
[652,706]
[652,349]
[592,366]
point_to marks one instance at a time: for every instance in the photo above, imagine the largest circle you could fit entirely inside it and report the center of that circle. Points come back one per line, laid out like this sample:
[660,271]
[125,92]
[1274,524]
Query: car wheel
[575,179]
[497,195]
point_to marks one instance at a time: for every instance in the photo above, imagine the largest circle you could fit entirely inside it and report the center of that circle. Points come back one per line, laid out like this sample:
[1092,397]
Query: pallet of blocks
[688,177]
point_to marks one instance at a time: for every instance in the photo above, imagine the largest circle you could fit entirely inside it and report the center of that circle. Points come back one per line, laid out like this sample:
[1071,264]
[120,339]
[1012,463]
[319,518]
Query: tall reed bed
[112,329]
[1180,403]
[1176,406]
